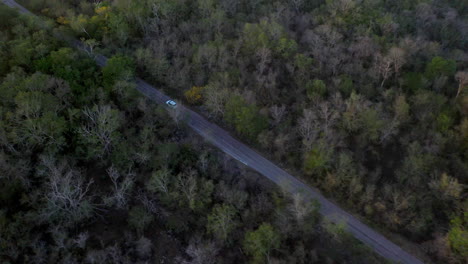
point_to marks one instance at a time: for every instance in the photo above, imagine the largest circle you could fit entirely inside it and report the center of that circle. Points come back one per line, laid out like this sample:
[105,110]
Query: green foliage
[446,188]
[303,63]
[36,121]
[154,65]
[8,16]
[139,219]
[346,85]
[285,47]
[416,166]
[268,34]
[261,242]
[255,36]
[118,68]
[304,66]
[244,117]
[438,66]
[22,52]
[221,221]
[173,10]
[458,236]
[371,123]
[426,106]
[119,28]
[413,81]
[444,122]
[336,230]
[316,161]
[316,88]
[80,72]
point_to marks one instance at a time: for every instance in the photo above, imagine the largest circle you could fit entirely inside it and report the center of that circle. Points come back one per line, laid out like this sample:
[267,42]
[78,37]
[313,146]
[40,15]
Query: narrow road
[221,139]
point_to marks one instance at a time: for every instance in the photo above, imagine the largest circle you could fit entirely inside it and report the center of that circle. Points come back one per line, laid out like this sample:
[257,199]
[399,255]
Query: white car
[171,103]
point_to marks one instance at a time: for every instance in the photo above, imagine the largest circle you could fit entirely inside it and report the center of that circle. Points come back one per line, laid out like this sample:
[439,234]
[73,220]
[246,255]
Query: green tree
[316,88]
[221,221]
[254,37]
[79,24]
[444,122]
[118,68]
[261,242]
[346,85]
[37,115]
[285,47]
[8,16]
[438,66]
[458,236]
[336,230]
[119,28]
[22,52]
[371,123]
[317,160]
[139,219]
[304,67]
[244,117]
[413,81]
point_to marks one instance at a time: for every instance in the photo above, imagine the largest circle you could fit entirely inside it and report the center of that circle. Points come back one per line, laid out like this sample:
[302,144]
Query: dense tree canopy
[366,100]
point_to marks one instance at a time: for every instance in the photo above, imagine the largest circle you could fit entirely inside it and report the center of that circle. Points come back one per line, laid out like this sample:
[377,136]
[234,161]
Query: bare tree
[297,4]
[203,161]
[232,196]
[316,121]
[159,181]
[363,47]
[89,46]
[100,128]
[149,202]
[121,187]
[201,252]
[283,143]
[143,247]
[401,114]
[328,116]
[277,113]
[67,199]
[384,67]
[96,256]
[266,85]
[327,47]
[398,58]
[425,15]
[79,23]
[80,240]
[188,186]
[308,128]
[300,208]
[215,98]
[207,55]
[462,78]
[263,55]
[342,6]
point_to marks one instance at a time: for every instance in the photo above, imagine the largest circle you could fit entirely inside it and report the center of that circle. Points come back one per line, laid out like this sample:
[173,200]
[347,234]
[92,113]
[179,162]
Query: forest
[367,100]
